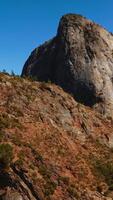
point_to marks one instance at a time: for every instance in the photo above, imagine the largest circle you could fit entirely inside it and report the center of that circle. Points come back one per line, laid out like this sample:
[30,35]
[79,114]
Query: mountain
[52,147]
[56,125]
[80,60]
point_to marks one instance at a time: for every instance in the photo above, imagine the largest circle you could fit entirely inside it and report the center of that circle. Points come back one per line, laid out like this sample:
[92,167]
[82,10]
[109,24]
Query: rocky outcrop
[80,60]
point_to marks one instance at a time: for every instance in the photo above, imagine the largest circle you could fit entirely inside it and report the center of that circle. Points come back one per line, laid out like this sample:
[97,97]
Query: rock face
[80,60]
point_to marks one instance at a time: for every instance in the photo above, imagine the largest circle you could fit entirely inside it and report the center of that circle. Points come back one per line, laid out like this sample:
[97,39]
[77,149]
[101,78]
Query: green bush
[44,171]
[72,191]
[8,122]
[21,158]
[63,179]
[2,133]
[6,155]
[105,169]
[4,121]
[50,188]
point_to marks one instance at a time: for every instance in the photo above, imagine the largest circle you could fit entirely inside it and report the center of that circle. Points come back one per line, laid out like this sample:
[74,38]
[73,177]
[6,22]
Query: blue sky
[25,24]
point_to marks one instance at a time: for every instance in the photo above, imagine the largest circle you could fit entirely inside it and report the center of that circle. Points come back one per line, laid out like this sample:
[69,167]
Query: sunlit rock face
[80,60]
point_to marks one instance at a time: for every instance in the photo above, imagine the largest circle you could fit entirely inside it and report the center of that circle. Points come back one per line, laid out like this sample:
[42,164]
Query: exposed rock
[80,60]
[13,196]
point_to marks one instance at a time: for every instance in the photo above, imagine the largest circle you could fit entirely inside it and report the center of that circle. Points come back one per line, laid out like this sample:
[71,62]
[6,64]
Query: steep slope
[62,149]
[80,60]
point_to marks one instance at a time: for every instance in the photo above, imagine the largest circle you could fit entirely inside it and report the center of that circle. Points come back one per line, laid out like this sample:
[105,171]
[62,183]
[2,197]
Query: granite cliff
[80,60]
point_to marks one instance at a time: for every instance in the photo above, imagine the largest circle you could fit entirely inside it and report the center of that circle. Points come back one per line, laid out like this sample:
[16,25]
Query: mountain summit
[80,60]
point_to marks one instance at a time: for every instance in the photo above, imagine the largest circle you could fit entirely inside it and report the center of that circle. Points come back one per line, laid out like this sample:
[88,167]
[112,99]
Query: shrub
[6,156]
[16,139]
[21,157]
[38,157]
[50,188]
[105,169]
[63,179]
[4,121]
[44,171]
[12,73]
[72,191]
[2,133]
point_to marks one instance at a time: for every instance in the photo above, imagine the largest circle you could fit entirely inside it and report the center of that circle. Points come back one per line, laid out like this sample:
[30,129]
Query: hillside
[62,150]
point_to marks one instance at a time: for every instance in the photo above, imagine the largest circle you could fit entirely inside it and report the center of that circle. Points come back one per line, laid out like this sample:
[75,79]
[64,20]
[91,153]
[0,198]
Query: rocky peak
[72,20]
[80,60]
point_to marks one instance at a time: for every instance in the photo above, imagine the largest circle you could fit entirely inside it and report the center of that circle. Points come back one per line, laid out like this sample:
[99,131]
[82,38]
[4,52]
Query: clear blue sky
[24,24]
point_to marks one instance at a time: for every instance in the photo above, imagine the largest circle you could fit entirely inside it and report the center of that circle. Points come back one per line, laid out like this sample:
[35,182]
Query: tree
[12,73]
[6,156]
